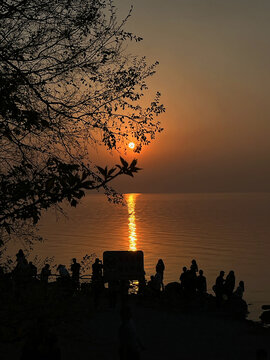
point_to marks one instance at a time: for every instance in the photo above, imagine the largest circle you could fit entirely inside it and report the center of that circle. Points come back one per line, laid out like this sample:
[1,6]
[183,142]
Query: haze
[215,80]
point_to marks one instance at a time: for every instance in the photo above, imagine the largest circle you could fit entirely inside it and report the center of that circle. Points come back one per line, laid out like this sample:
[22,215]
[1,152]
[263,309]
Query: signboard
[123,265]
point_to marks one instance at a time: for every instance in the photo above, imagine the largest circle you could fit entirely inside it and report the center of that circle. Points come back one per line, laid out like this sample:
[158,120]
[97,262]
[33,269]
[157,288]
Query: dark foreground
[167,327]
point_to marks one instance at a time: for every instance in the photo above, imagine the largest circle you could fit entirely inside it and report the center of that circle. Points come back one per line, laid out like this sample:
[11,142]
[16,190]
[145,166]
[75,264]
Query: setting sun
[131,145]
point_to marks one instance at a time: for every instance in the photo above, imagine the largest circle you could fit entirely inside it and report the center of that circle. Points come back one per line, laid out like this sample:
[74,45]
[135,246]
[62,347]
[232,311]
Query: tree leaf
[111,171]
[74,203]
[123,161]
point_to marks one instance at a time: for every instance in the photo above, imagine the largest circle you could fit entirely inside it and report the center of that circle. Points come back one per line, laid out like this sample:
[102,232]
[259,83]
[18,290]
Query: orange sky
[215,80]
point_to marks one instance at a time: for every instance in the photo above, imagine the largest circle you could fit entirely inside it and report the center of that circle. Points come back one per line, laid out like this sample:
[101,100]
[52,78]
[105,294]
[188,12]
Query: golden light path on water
[131,201]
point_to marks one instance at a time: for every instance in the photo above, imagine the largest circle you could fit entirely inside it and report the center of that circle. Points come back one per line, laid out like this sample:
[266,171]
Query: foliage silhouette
[65,86]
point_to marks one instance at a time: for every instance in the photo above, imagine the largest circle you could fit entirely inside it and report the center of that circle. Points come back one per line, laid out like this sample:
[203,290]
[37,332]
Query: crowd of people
[224,287]
[25,273]
[191,281]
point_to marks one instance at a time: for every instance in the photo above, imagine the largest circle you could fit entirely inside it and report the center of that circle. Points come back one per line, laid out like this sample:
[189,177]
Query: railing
[83,277]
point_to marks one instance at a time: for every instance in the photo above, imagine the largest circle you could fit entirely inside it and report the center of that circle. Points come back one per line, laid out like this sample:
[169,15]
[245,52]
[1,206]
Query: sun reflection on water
[131,201]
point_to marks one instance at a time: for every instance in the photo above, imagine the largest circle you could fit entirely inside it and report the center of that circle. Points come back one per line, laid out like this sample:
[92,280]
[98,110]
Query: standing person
[97,281]
[229,284]
[21,269]
[183,278]
[219,287]
[75,269]
[20,274]
[97,270]
[201,283]
[194,266]
[20,258]
[45,273]
[160,267]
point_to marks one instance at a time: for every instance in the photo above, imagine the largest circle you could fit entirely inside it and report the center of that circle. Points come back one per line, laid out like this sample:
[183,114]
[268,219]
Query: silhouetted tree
[65,83]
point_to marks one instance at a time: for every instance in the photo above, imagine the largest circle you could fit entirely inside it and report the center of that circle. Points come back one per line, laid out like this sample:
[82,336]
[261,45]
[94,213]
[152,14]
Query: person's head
[241,284]
[160,261]
[201,272]
[20,254]
[74,260]
[47,266]
[30,263]
[222,273]
[193,262]
[152,277]
[97,260]
[184,269]
[231,273]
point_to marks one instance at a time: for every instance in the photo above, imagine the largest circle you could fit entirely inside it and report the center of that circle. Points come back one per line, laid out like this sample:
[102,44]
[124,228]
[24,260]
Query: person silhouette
[64,278]
[20,257]
[160,267]
[229,284]
[183,278]
[194,266]
[142,284]
[63,271]
[201,283]
[22,263]
[240,289]
[219,287]
[97,282]
[75,270]
[21,273]
[45,273]
[97,270]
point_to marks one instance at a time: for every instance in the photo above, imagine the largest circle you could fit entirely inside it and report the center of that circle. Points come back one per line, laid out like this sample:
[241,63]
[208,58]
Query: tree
[65,84]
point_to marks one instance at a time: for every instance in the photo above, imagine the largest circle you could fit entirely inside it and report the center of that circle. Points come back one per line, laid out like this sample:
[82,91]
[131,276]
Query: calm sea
[221,231]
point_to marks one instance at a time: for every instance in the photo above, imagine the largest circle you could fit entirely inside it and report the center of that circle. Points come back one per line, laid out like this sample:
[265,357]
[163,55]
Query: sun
[131,145]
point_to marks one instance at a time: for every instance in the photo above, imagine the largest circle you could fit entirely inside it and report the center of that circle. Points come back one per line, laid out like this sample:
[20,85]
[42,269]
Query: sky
[214,77]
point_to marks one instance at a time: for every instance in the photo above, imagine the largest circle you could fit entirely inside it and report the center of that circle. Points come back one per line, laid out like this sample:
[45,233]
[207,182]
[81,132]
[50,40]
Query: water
[221,231]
